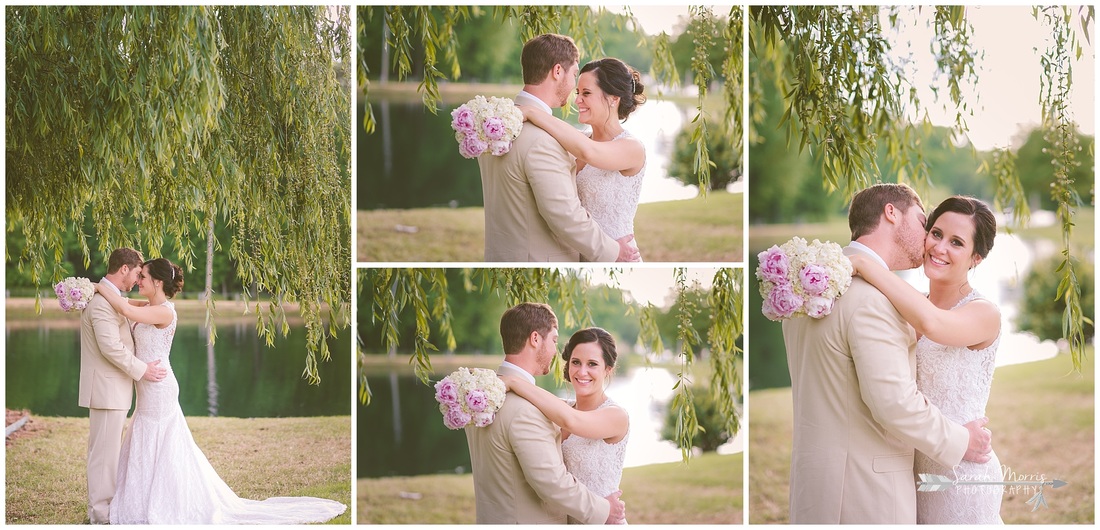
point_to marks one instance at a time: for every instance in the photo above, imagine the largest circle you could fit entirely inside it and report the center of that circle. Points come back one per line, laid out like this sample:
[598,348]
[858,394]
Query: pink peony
[59,289]
[66,305]
[75,294]
[446,392]
[455,418]
[814,278]
[774,265]
[783,301]
[477,400]
[499,147]
[818,306]
[483,419]
[462,120]
[493,127]
[471,146]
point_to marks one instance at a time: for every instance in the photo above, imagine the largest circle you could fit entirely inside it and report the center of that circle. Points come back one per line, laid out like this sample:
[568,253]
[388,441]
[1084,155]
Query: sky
[1009,74]
[650,285]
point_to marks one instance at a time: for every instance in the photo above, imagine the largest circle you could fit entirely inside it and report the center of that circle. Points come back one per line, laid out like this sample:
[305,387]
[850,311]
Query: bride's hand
[859,262]
[526,110]
[509,381]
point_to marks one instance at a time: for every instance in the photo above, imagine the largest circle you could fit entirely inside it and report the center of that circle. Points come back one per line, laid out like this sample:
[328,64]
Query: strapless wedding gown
[595,463]
[957,380]
[163,477]
[610,197]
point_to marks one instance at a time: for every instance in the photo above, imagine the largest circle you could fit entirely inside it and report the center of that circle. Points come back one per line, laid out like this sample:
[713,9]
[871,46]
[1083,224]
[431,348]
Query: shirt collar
[538,102]
[105,281]
[860,247]
[520,371]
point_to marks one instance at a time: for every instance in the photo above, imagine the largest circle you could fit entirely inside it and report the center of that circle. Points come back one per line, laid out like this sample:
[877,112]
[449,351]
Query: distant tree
[174,118]
[712,433]
[1042,312]
[1035,163]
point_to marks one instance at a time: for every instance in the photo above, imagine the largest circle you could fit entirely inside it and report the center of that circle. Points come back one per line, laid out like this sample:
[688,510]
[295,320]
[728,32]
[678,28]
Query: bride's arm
[140,312]
[600,424]
[612,156]
[968,325]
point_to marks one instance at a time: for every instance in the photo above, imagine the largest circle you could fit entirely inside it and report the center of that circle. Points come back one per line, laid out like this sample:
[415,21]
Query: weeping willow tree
[432,28]
[845,101]
[170,118]
[425,291]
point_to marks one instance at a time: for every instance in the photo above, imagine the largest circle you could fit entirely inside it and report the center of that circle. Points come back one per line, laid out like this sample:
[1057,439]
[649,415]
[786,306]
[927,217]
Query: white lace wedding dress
[610,197]
[957,380]
[595,463]
[163,477]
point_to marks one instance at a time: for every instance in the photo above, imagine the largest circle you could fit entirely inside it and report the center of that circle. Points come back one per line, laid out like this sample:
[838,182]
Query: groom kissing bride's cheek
[869,412]
[520,474]
[538,206]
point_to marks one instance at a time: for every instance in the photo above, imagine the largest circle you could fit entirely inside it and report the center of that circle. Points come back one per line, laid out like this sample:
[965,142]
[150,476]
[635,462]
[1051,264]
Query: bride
[610,163]
[959,330]
[163,477]
[594,428]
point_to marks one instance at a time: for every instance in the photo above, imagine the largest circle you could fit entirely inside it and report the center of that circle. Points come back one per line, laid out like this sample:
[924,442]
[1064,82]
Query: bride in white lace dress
[163,477]
[611,162]
[959,333]
[594,428]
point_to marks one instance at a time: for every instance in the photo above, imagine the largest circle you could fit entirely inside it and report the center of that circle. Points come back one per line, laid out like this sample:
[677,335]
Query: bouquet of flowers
[73,294]
[486,124]
[469,396]
[799,278]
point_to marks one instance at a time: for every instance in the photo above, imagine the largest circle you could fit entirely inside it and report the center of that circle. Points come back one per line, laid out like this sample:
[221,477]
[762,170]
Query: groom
[857,412]
[519,475]
[532,212]
[108,370]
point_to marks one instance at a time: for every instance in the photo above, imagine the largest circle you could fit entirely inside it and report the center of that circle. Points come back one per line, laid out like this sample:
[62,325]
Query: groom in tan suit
[532,212]
[519,475]
[108,370]
[857,412]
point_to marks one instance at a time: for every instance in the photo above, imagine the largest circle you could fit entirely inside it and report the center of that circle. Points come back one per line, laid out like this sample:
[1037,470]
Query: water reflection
[406,436]
[239,377]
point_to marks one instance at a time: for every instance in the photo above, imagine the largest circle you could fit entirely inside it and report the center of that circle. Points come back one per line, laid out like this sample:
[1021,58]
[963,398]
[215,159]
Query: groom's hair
[867,206]
[123,256]
[541,53]
[517,323]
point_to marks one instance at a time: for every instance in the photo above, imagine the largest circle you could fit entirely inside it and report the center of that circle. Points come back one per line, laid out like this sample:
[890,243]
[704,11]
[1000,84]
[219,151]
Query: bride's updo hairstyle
[616,78]
[985,225]
[588,335]
[167,272]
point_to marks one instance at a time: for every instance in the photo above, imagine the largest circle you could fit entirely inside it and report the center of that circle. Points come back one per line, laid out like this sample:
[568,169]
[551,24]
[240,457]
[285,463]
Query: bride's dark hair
[585,336]
[616,78]
[168,273]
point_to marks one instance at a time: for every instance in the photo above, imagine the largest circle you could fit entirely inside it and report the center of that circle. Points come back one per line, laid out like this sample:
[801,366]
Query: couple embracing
[155,474]
[560,195]
[544,460]
[893,384]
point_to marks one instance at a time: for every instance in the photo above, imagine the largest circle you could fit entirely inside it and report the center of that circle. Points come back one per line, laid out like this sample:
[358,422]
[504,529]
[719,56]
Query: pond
[245,378]
[412,160]
[401,432]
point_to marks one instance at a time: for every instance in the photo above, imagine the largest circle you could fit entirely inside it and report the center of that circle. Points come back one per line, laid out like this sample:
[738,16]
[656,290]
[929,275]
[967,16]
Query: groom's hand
[627,252]
[980,438]
[154,373]
[618,509]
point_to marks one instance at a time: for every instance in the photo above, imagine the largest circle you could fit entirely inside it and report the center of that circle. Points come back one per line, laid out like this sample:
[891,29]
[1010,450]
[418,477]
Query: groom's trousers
[104,446]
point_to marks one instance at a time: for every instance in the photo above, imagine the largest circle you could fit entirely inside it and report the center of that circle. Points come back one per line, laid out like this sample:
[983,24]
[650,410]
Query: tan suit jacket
[858,414]
[532,212]
[108,367]
[519,475]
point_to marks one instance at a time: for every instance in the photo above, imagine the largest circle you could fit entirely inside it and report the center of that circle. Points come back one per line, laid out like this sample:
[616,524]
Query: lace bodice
[595,463]
[154,344]
[610,197]
[957,380]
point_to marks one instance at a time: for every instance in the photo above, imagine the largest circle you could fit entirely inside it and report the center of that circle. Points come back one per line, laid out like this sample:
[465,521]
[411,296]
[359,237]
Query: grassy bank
[258,458]
[1042,418]
[699,230]
[707,490]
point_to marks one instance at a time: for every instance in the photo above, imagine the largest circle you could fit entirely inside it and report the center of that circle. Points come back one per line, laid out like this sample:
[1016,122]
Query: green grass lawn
[1042,418]
[707,490]
[698,230]
[258,458]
